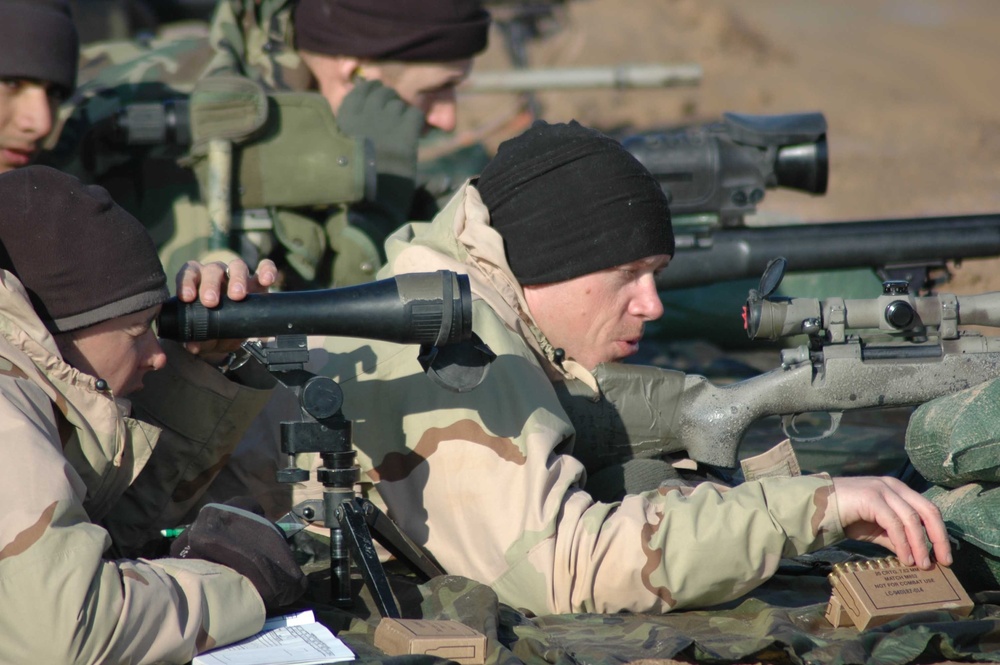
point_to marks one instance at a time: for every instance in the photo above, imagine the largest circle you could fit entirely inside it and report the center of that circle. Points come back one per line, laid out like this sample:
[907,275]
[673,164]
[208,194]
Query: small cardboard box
[875,592]
[445,639]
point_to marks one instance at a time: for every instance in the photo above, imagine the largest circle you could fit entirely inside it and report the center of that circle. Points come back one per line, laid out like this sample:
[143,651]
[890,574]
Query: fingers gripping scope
[895,311]
[416,308]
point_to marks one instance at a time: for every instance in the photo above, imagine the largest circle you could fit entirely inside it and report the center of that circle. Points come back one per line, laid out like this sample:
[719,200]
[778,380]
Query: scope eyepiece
[804,167]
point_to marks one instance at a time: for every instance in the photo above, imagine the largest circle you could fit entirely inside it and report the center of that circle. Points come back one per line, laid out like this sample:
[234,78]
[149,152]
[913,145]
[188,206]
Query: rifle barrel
[743,252]
[579,78]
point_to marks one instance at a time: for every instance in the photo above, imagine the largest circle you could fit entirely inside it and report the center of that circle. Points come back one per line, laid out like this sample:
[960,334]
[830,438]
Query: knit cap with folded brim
[396,30]
[39,41]
[81,257]
[568,200]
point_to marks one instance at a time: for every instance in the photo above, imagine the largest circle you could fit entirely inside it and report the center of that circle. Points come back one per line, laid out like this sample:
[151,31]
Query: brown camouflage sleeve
[63,602]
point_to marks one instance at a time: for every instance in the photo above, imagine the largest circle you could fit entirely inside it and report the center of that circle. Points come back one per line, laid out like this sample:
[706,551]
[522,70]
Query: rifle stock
[712,420]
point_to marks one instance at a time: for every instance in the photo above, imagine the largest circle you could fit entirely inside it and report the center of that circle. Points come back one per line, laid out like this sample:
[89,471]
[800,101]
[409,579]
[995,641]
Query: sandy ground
[910,90]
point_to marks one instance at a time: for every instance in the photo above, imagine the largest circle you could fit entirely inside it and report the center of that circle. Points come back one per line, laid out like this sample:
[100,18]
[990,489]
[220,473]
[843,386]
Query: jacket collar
[105,447]
[460,238]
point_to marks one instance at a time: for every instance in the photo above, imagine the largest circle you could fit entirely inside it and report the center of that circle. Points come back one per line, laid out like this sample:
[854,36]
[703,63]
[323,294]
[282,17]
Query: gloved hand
[374,111]
[249,544]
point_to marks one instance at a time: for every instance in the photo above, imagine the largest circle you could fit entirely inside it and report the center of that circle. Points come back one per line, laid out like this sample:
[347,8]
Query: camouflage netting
[782,622]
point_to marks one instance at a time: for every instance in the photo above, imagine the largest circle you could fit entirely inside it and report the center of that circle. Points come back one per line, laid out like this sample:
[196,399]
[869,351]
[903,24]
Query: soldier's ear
[349,68]
[331,70]
[368,69]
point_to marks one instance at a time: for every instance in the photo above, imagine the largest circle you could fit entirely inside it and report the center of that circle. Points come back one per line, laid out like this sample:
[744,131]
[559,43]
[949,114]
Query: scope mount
[323,429]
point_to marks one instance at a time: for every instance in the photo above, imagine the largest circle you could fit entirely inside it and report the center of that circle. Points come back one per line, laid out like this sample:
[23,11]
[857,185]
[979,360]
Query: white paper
[294,639]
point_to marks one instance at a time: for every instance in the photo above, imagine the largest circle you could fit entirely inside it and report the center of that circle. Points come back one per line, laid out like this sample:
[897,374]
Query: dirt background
[910,90]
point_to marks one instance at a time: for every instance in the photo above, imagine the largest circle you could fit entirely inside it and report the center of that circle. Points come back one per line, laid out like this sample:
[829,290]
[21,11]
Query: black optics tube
[417,308]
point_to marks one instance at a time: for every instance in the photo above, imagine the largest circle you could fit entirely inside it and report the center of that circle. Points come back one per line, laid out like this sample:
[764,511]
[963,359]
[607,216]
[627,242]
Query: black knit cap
[403,30]
[569,201]
[38,40]
[81,257]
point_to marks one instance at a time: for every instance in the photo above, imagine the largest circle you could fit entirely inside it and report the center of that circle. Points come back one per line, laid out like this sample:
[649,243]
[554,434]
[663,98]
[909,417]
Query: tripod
[351,519]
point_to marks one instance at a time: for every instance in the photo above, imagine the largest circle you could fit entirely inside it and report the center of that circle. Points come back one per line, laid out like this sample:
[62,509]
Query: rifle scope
[416,308]
[895,311]
[725,167]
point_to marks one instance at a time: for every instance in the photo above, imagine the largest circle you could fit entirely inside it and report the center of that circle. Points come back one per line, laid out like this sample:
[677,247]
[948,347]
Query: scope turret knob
[811,326]
[292,475]
[899,314]
[321,397]
[895,287]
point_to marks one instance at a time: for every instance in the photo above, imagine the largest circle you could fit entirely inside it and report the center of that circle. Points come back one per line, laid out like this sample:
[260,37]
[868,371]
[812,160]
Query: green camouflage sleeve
[203,415]
[63,601]
[478,478]
[254,38]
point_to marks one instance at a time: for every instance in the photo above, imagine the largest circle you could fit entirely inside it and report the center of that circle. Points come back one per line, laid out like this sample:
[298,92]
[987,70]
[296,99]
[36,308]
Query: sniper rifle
[911,351]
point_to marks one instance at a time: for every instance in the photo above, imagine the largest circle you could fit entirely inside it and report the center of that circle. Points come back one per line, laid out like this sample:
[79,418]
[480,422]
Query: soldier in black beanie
[561,237]
[389,69]
[571,204]
[39,50]
[86,472]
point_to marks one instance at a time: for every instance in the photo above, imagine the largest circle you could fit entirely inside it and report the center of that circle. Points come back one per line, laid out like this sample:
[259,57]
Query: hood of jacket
[461,239]
[105,447]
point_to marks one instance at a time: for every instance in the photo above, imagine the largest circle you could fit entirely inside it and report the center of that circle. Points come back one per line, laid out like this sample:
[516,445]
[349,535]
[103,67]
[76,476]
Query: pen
[288,529]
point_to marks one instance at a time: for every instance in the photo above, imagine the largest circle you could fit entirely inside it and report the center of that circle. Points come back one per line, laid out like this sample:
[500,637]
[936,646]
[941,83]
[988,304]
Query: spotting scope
[415,308]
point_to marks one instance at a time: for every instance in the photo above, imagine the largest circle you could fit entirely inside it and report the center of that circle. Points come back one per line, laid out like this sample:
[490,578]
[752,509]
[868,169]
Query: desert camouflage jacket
[69,455]
[486,481]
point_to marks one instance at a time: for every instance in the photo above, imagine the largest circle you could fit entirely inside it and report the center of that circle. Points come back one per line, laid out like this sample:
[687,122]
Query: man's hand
[206,282]
[235,534]
[885,511]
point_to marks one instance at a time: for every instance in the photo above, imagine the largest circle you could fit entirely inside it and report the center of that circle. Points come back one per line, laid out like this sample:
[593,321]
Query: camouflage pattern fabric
[255,38]
[780,622]
[537,538]
[336,244]
[145,180]
[74,463]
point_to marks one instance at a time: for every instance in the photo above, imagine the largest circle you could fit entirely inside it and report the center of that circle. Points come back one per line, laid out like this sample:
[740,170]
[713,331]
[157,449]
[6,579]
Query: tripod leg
[340,555]
[391,537]
[355,531]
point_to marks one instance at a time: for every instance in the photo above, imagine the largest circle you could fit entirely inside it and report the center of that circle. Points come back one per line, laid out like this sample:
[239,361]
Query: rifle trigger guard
[791,429]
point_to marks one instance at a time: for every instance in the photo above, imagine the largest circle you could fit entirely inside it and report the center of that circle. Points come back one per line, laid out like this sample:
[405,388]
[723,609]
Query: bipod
[324,430]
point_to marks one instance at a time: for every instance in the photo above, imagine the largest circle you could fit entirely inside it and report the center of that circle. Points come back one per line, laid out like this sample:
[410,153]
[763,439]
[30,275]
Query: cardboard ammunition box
[836,614]
[875,592]
[445,639]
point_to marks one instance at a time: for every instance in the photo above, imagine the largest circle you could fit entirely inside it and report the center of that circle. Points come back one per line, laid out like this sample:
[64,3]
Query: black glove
[249,544]
[376,112]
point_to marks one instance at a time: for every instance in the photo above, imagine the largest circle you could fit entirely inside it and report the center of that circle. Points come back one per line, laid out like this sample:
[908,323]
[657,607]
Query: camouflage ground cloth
[781,623]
